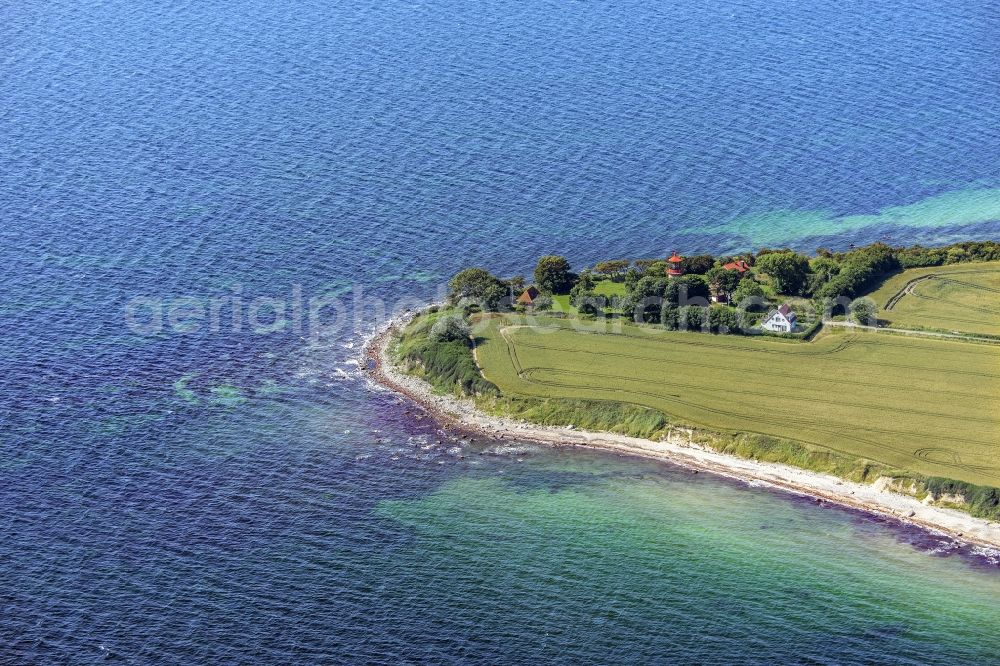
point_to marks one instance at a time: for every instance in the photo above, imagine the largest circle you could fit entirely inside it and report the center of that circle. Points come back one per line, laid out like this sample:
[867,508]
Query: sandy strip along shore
[461,415]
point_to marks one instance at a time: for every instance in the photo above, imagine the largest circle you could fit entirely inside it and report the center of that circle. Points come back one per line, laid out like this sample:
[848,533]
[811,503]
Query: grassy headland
[919,412]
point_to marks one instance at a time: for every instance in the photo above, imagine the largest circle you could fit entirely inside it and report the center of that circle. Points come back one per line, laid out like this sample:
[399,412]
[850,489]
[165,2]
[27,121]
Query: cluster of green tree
[543,302]
[643,266]
[917,256]
[849,274]
[614,269]
[788,270]
[749,295]
[553,275]
[584,299]
[724,282]
[864,311]
[715,318]
[645,297]
[617,269]
[682,303]
[828,275]
[698,264]
[450,328]
[858,271]
[479,288]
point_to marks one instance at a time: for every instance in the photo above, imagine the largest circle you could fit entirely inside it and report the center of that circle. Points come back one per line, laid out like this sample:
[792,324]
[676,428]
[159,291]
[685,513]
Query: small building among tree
[738,265]
[781,320]
[528,296]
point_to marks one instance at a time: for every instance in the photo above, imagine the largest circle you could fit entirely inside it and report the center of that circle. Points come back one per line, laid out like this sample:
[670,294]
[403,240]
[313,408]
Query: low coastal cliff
[678,447]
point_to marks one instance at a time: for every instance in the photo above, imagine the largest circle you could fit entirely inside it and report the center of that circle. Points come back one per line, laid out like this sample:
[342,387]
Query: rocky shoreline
[461,416]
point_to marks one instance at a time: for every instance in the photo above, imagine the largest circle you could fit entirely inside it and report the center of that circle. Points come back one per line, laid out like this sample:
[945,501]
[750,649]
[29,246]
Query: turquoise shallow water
[652,564]
[189,496]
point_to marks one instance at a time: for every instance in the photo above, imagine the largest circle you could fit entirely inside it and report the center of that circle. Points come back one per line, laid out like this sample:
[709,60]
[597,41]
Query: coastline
[460,414]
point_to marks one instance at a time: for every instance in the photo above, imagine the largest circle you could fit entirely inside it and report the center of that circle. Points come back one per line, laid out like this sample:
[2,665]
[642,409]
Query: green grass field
[960,297]
[923,405]
[606,288]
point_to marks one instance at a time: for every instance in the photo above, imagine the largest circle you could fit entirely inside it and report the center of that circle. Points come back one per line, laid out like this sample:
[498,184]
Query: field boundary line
[916,332]
[906,289]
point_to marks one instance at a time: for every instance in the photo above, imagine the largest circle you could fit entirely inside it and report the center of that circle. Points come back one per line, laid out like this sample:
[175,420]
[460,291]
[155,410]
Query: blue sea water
[195,496]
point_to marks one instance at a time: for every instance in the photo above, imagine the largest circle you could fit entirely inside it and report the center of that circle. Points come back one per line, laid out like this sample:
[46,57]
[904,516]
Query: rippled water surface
[199,496]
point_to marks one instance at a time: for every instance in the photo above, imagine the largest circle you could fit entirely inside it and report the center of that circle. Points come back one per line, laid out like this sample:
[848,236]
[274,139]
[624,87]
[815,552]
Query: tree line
[685,302]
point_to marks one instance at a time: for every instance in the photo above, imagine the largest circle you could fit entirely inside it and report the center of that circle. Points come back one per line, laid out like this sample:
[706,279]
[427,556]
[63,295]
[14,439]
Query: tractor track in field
[787,417]
[974,308]
[715,344]
[807,347]
[973,285]
[804,425]
[911,289]
[866,364]
[907,289]
[711,366]
[527,373]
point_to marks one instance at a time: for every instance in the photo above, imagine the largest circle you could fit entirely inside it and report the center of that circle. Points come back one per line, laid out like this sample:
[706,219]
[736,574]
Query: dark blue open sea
[199,491]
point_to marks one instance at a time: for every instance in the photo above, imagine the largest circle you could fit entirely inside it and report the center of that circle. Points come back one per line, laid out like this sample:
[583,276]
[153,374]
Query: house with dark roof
[528,296]
[781,320]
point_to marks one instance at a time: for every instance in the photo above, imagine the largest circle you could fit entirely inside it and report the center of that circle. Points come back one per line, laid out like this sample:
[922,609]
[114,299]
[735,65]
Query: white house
[781,320]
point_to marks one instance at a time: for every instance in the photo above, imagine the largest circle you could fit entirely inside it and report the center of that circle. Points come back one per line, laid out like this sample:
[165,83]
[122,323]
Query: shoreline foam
[461,415]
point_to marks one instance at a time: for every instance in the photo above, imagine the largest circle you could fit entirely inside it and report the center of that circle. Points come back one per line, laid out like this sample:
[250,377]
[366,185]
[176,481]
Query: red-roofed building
[739,265]
[676,265]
